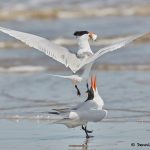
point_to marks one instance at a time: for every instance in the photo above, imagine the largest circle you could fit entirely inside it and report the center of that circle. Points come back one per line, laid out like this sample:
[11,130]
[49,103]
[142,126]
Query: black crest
[80,33]
[90,93]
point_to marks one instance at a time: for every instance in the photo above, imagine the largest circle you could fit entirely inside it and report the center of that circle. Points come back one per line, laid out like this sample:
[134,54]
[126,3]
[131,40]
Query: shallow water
[27,97]
[39,135]
[30,92]
[103,26]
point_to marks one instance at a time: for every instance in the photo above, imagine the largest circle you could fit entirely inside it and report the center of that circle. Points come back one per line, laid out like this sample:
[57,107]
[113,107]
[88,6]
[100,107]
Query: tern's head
[93,90]
[90,94]
[93,93]
[85,35]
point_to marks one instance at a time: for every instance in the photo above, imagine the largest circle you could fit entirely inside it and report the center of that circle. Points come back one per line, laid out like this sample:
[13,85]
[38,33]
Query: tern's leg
[87,85]
[78,91]
[84,128]
[86,131]
[89,131]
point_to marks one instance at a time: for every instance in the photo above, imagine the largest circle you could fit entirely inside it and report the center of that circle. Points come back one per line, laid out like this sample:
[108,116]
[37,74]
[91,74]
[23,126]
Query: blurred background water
[27,93]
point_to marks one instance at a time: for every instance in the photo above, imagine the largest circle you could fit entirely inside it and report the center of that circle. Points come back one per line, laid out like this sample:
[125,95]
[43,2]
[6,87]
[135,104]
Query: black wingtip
[54,113]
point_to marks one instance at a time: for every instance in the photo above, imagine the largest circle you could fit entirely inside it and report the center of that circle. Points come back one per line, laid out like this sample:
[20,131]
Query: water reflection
[83,146]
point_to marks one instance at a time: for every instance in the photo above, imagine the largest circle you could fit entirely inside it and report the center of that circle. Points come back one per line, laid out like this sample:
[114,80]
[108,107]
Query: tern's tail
[71,77]
[70,123]
[61,117]
[61,76]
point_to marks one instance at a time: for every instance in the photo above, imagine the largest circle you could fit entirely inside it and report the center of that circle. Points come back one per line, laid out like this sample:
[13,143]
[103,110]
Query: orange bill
[91,35]
[93,82]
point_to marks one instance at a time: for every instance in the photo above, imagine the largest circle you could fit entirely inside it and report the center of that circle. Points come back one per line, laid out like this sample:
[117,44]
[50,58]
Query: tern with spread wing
[81,62]
[91,110]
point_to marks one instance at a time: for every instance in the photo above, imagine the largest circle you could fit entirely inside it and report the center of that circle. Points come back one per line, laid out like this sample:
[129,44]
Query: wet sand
[40,135]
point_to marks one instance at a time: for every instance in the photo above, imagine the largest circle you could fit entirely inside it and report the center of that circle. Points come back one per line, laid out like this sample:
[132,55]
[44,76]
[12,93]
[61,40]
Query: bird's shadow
[83,146]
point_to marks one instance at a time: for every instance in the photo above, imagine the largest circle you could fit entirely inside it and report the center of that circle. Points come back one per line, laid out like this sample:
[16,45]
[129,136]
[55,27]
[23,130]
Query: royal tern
[91,110]
[81,62]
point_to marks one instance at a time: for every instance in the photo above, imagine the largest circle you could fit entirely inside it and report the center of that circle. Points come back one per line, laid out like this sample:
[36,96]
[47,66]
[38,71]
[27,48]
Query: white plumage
[75,62]
[81,62]
[90,110]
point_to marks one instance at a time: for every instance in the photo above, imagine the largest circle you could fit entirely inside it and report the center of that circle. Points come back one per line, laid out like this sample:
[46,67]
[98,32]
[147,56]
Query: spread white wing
[59,53]
[111,48]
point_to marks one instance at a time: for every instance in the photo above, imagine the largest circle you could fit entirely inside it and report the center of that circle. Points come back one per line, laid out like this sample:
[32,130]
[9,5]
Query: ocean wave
[65,13]
[21,69]
[53,118]
[98,67]
[50,118]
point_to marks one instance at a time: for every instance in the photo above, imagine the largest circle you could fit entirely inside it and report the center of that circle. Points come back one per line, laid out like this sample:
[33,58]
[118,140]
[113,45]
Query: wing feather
[58,53]
[111,48]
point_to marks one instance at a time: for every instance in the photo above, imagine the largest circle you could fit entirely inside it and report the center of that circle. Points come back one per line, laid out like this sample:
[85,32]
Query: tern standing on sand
[91,110]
